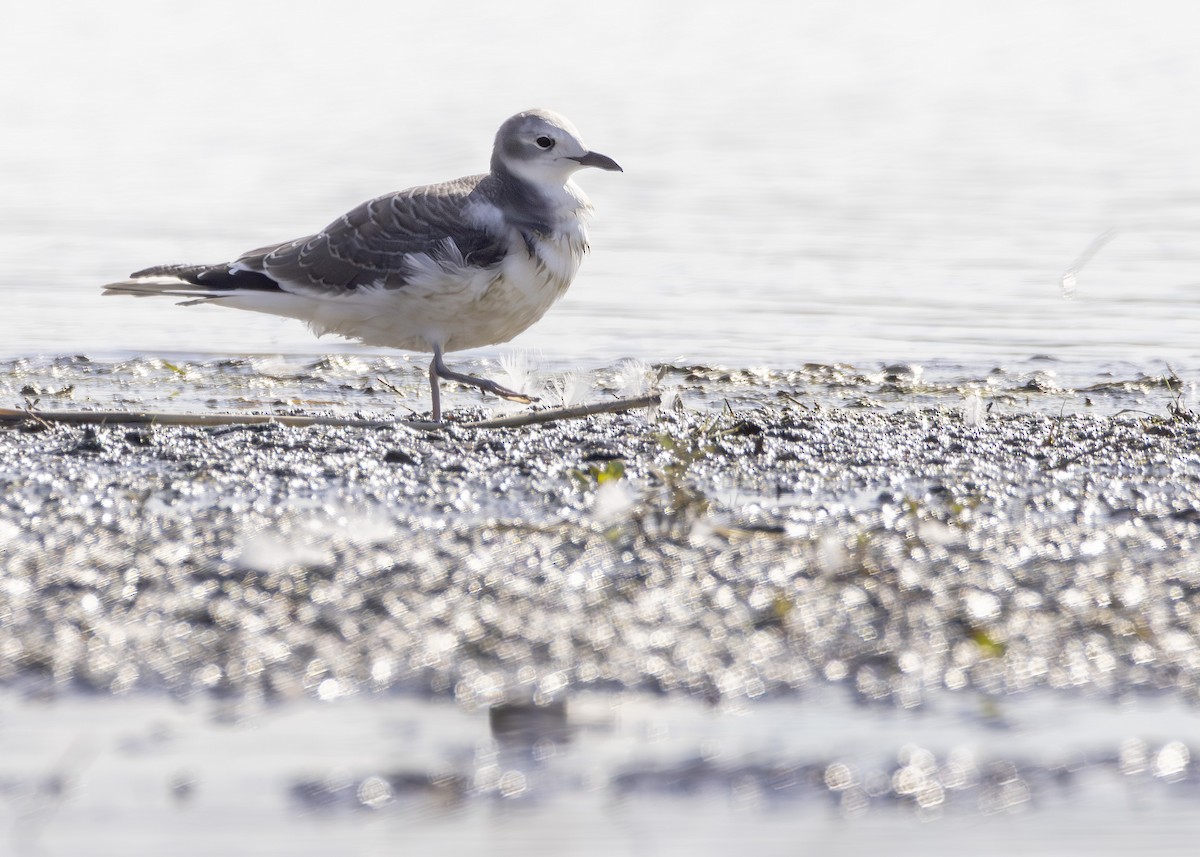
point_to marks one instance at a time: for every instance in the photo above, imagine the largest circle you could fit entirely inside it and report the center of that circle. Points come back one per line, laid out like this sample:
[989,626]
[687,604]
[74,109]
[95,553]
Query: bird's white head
[544,148]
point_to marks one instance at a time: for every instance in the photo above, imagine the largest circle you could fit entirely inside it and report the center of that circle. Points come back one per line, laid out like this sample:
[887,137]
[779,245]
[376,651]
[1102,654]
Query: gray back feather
[369,243]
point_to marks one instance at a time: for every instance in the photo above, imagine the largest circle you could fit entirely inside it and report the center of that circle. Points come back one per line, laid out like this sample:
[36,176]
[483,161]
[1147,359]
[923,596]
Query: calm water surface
[877,182]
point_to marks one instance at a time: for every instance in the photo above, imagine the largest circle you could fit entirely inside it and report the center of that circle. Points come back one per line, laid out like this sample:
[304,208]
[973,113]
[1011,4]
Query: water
[639,776]
[877,183]
[859,183]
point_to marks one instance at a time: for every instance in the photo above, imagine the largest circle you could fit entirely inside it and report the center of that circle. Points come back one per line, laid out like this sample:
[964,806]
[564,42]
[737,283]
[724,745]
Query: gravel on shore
[716,554]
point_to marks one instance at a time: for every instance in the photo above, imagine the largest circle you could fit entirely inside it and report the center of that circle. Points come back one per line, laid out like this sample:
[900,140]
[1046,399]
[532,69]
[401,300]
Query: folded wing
[381,244]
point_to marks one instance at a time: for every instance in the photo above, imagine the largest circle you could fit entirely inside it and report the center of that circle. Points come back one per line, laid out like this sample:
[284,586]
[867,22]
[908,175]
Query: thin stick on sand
[616,406]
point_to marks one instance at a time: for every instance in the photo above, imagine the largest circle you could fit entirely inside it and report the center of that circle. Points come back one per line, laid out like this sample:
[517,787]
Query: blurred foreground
[853,609]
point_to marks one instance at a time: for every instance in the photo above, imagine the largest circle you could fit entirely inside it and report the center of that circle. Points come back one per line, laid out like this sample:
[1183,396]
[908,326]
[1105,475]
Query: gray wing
[370,244]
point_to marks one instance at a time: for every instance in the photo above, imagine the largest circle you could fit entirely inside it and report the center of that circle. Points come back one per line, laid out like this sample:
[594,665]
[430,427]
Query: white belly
[456,309]
[528,285]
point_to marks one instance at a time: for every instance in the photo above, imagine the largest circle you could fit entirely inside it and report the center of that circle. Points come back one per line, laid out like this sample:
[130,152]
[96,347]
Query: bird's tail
[195,283]
[147,286]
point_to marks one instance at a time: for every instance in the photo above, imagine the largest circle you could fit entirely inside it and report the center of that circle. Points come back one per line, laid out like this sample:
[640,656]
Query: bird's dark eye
[545,142]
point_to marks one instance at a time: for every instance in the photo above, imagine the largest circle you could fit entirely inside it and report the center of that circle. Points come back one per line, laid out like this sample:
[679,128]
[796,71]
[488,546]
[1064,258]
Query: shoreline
[993,522]
[927,589]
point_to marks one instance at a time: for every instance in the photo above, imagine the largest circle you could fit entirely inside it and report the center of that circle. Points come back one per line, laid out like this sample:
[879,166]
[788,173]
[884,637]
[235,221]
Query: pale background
[868,181]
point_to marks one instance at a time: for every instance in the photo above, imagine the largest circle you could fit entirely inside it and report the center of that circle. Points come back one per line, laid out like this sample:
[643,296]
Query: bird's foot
[439,371]
[492,387]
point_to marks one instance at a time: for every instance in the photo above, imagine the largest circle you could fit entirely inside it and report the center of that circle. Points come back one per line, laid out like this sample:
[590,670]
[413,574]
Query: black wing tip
[164,271]
[216,277]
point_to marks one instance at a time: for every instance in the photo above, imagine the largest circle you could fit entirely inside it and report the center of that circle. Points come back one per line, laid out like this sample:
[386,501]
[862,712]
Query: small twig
[804,406]
[29,411]
[204,420]
[618,406]
[165,419]
[1124,411]
[392,388]
[389,386]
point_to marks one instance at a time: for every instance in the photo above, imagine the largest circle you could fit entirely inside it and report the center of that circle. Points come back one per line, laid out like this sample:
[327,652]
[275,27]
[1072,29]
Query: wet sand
[882,553]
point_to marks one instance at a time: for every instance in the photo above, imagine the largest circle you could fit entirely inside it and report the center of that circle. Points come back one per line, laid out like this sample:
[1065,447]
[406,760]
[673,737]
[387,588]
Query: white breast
[528,285]
[530,279]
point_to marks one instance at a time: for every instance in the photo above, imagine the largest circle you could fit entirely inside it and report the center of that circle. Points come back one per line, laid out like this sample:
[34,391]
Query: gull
[433,269]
